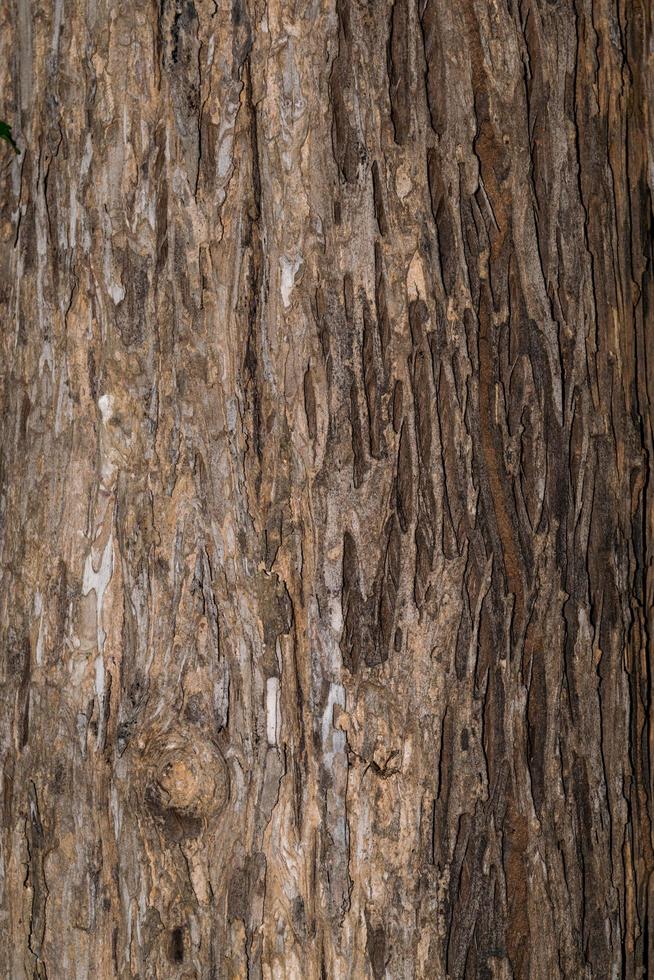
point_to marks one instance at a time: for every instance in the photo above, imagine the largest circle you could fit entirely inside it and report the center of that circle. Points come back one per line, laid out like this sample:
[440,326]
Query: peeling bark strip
[326,525]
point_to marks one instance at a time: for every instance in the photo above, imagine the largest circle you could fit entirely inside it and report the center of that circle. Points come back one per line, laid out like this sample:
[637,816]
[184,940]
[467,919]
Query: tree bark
[326,489]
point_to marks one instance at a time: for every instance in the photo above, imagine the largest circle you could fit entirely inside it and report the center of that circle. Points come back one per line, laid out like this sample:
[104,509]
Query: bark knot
[186,783]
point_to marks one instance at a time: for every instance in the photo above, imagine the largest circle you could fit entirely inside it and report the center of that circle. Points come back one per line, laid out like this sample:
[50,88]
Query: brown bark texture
[326,489]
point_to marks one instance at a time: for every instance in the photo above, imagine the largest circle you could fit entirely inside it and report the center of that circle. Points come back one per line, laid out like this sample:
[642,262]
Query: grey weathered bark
[326,552]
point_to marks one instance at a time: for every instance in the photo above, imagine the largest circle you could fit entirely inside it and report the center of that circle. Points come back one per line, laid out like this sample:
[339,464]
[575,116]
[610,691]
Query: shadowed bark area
[326,526]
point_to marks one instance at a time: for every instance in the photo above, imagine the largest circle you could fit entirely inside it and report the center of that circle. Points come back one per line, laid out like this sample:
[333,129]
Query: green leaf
[5,134]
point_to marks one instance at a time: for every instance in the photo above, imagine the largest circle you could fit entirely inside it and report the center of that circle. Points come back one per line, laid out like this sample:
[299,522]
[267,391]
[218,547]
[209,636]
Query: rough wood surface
[326,489]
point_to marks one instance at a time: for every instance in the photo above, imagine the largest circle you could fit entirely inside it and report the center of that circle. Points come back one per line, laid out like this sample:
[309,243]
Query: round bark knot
[186,783]
[183,787]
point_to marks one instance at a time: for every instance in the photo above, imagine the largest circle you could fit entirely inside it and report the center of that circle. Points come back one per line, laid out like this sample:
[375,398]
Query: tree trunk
[326,489]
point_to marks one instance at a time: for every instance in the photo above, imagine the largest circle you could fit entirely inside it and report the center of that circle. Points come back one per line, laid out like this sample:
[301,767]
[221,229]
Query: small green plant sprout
[5,134]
